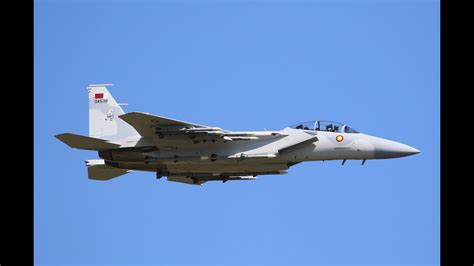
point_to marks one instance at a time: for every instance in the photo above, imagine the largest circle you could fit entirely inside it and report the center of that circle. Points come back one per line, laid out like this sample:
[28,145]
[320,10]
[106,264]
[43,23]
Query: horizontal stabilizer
[98,170]
[85,143]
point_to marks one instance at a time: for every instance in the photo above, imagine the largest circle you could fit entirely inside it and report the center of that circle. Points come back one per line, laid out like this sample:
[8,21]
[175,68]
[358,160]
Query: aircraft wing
[148,125]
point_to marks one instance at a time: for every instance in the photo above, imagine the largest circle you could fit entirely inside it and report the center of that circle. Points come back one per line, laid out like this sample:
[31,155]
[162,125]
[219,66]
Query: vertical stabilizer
[104,121]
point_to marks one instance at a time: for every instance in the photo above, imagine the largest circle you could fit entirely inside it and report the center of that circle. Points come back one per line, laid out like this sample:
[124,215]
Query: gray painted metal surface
[194,154]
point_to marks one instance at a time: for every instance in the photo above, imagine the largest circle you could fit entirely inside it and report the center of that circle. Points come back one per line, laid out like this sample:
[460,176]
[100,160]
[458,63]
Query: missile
[254,134]
[202,129]
[224,179]
[212,157]
[244,138]
[251,156]
[227,138]
[246,177]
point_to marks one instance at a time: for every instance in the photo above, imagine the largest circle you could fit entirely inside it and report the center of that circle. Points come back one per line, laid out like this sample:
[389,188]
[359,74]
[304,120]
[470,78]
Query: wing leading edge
[148,125]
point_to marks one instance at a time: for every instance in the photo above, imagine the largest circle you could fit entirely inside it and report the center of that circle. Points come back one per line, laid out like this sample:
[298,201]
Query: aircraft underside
[224,171]
[200,168]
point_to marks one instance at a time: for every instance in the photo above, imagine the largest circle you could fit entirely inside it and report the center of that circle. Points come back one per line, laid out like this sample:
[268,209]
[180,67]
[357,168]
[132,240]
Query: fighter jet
[194,154]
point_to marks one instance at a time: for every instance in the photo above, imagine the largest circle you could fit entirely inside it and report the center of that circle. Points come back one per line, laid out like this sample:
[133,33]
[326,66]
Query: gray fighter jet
[194,154]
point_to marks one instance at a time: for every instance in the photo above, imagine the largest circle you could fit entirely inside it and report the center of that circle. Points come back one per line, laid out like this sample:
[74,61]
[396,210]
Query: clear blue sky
[244,65]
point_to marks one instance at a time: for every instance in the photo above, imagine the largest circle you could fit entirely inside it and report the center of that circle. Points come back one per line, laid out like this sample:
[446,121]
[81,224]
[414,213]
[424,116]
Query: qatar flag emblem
[100,96]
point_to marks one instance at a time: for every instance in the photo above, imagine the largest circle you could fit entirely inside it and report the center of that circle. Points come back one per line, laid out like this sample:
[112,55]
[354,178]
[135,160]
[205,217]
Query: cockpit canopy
[321,125]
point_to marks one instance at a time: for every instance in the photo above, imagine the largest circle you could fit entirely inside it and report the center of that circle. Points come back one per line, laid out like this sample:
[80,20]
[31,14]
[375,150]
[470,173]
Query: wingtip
[63,138]
[58,136]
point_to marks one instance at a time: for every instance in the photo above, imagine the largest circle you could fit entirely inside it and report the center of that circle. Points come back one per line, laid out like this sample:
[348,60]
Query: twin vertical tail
[104,112]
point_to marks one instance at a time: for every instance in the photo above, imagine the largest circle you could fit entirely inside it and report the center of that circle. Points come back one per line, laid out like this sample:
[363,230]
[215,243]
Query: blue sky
[241,65]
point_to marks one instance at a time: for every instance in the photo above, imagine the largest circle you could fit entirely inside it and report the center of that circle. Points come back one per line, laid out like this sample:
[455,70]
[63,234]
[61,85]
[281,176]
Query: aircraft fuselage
[181,155]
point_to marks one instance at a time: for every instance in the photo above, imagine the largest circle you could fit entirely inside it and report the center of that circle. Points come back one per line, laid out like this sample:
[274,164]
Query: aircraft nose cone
[390,149]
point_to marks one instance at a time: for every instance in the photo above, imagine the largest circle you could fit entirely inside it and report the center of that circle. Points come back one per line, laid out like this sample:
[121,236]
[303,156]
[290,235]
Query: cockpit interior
[321,125]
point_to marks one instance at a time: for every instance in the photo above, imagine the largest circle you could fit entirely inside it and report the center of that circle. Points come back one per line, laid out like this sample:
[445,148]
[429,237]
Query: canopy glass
[322,125]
